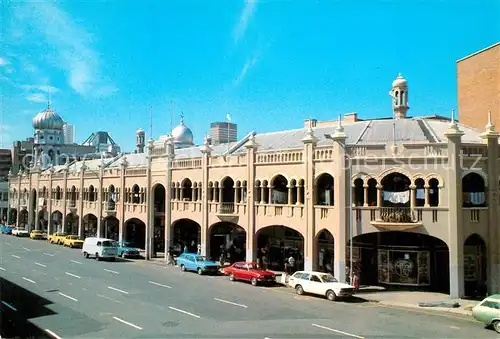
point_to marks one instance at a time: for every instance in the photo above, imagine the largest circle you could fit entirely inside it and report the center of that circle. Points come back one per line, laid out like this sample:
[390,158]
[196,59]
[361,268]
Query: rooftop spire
[490,126]
[339,128]
[48,101]
[182,118]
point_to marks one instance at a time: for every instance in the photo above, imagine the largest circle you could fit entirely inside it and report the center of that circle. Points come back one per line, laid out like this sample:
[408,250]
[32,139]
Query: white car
[321,284]
[20,232]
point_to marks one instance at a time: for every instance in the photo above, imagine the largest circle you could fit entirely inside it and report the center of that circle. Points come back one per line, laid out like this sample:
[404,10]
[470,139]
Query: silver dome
[48,119]
[182,134]
[400,81]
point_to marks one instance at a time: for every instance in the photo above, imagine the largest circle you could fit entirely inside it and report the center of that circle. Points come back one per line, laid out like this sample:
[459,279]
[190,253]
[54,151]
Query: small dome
[182,134]
[400,81]
[140,131]
[48,119]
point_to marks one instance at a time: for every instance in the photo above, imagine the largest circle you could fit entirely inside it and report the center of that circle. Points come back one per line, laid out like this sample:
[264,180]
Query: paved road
[73,297]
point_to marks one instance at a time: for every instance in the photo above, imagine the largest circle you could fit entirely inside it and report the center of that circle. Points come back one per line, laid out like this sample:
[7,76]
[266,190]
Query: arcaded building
[418,197]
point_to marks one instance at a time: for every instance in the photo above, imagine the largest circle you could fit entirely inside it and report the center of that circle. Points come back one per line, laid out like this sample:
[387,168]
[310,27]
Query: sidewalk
[413,298]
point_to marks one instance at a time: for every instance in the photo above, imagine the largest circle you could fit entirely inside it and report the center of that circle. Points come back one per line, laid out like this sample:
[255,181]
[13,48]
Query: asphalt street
[74,297]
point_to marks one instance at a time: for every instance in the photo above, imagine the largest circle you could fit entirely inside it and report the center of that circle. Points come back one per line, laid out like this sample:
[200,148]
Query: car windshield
[108,243]
[201,258]
[328,278]
[251,266]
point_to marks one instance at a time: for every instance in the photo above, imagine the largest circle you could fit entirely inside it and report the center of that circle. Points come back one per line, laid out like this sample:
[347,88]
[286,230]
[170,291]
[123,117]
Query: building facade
[5,163]
[223,132]
[69,133]
[406,201]
[478,79]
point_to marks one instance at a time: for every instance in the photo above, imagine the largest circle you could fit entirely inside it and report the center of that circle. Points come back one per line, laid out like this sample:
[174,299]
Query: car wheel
[97,257]
[496,326]
[231,277]
[183,268]
[199,271]
[330,295]
[299,290]
[254,281]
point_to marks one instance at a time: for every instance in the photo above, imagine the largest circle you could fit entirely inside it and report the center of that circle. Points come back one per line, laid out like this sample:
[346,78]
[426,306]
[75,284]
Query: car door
[191,263]
[304,282]
[236,271]
[316,285]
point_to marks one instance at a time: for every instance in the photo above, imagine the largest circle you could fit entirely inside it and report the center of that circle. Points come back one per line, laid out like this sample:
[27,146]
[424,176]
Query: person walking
[170,256]
[291,264]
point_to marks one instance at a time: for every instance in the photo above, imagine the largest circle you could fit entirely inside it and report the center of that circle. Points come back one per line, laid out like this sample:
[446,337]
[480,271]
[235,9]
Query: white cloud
[246,15]
[70,44]
[244,70]
[3,62]
[36,97]
[40,88]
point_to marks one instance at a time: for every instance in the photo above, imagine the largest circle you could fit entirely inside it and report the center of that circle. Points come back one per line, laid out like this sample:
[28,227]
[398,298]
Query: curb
[458,310]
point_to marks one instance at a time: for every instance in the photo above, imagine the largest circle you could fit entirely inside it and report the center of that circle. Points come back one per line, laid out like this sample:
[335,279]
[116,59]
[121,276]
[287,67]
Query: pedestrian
[199,249]
[186,250]
[291,263]
[170,256]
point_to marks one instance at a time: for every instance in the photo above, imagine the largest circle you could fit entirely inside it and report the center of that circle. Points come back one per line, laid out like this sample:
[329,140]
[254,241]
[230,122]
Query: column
[236,191]
[262,192]
[49,203]
[290,188]
[299,194]
[380,199]
[181,191]
[309,142]
[205,242]
[251,147]
[427,195]
[365,192]
[122,198]
[150,206]
[270,192]
[413,197]
[455,227]
[37,199]
[79,207]
[99,195]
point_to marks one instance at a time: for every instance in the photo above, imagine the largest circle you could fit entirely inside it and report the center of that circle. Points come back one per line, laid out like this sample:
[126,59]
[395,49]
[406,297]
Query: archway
[231,237]
[159,217]
[110,228]
[475,266]
[89,225]
[473,190]
[12,218]
[402,259]
[279,190]
[42,220]
[186,190]
[72,224]
[56,224]
[325,246]
[275,244]
[33,208]
[23,219]
[135,233]
[186,232]
[325,185]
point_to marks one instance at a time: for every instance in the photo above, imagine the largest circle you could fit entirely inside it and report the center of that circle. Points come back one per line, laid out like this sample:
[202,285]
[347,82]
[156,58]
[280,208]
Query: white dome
[400,81]
[140,131]
[182,134]
[48,119]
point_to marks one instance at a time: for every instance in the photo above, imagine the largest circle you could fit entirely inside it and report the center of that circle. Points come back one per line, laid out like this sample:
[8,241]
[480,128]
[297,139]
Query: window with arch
[324,190]
[474,190]
[434,192]
[136,195]
[359,192]
[58,193]
[91,194]
[279,190]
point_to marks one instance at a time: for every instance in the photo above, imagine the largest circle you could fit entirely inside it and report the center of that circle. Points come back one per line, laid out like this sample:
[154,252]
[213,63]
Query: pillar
[49,203]
[365,193]
[427,195]
[98,196]
[455,227]
[150,207]
[205,151]
[251,148]
[122,198]
[309,142]
[413,197]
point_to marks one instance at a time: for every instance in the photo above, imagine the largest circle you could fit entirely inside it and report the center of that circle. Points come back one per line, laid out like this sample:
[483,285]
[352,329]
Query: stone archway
[325,248]
[33,209]
[403,259]
[23,219]
[231,237]
[43,218]
[475,266]
[56,222]
[72,221]
[135,233]
[12,218]
[111,227]
[159,218]
[89,226]
[276,244]
[186,232]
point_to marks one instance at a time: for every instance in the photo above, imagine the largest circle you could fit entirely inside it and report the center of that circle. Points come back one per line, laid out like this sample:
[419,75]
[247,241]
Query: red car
[248,271]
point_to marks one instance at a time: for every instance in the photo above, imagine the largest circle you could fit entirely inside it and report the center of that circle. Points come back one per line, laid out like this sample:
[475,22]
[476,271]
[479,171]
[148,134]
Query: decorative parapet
[187,163]
[280,157]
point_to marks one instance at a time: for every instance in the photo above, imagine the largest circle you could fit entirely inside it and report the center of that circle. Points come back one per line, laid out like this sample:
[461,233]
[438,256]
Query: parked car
[100,248]
[20,232]
[73,241]
[488,312]
[57,238]
[6,229]
[36,234]
[248,271]
[320,284]
[197,263]
[126,250]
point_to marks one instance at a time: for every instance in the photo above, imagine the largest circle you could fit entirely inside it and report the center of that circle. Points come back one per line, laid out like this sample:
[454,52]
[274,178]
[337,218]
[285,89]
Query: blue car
[197,263]
[4,229]
[125,250]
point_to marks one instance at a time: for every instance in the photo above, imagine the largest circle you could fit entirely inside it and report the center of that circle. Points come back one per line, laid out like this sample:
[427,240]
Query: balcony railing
[397,215]
[226,208]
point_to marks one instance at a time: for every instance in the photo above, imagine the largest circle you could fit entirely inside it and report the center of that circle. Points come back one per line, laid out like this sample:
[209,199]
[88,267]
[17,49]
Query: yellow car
[36,234]
[57,238]
[73,241]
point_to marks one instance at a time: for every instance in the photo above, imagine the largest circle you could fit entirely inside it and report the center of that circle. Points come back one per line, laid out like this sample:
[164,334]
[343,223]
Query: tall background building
[478,84]
[223,132]
[69,133]
[5,165]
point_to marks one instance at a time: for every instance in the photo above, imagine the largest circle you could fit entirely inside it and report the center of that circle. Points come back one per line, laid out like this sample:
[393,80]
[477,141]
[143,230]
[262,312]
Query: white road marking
[76,262]
[2,269]
[52,334]
[29,280]
[230,303]
[158,284]
[41,265]
[111,271]
[185,312]
[67,296]
[116,289]
[108,298]
[15,256]
[27,249]
[73,275]
[9,306]
[8,243]
[337,331]
[127,323]
[50,255]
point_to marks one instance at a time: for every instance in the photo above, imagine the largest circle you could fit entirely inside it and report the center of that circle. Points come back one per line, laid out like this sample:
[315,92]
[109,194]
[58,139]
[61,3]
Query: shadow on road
[17,307]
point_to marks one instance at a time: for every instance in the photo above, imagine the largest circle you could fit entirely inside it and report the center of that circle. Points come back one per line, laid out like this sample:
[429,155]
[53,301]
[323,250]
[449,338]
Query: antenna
[151,121]
[171,116]
[48,91]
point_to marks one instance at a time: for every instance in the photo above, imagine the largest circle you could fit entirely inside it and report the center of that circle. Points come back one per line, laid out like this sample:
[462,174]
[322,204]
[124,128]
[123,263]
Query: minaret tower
[140,140]
[399,94]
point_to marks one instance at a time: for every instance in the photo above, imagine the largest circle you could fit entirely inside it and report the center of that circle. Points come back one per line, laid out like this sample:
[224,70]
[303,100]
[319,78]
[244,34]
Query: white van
[100,248]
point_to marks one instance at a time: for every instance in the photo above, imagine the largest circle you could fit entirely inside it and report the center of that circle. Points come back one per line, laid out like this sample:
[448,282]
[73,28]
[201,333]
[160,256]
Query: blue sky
[270,63]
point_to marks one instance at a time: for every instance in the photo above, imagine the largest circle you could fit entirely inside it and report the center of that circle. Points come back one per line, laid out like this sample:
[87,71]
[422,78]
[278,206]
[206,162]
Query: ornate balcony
[72,206]
[110,208]
[227,212]
[396,218]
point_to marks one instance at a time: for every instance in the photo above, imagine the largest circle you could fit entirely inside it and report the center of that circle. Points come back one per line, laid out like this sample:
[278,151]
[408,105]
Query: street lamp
[349,174]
